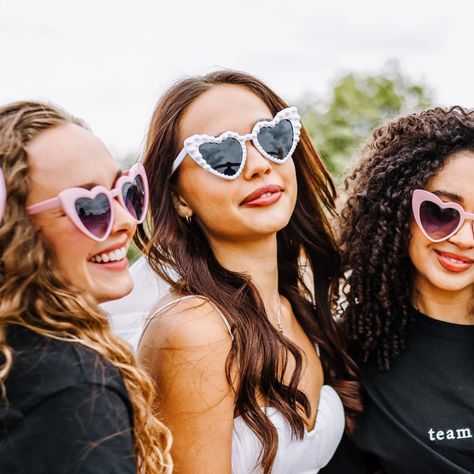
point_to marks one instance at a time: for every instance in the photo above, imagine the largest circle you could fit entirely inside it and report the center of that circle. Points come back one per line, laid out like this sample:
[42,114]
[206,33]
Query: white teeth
[266,195]
[113,256]
[454,260]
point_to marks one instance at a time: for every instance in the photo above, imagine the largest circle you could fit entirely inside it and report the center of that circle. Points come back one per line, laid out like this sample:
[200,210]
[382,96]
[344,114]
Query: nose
[464,237]
[256,165]
[123,221]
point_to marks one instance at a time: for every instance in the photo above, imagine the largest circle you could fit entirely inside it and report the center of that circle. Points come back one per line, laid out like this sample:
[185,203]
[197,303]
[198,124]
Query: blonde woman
[71,397]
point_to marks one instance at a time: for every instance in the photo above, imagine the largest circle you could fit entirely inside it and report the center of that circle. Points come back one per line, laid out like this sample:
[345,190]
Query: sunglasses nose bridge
[122,219]
[256,163]
[115,193]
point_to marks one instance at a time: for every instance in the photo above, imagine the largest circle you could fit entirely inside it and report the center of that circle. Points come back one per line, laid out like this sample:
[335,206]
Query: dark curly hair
[374,230]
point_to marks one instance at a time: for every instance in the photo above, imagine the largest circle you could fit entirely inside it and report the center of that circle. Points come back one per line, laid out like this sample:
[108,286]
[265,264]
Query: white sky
[108,61]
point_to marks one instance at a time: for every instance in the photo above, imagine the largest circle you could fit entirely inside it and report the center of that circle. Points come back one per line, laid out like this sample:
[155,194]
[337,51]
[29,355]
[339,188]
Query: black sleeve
[83,429]
[348,459]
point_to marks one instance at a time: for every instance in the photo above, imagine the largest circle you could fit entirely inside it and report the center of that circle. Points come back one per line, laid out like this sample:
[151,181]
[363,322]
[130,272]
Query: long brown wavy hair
[35,294]
[402,156]
[180,254]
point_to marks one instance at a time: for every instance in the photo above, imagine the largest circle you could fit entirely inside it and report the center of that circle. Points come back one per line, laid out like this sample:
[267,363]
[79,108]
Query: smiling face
[70,156]
[256,204]
[448,266]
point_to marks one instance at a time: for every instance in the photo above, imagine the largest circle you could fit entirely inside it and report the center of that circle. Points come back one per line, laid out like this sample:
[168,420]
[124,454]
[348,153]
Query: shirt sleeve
[82,429]
[348,459]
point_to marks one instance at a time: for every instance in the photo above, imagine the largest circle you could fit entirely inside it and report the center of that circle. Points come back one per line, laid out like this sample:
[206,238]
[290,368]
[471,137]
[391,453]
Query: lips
[111,254]
[271,193]
[454,262]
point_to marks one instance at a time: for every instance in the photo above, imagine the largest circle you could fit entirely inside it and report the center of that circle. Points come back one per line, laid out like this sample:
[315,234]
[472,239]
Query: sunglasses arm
[43,206]
[179,159]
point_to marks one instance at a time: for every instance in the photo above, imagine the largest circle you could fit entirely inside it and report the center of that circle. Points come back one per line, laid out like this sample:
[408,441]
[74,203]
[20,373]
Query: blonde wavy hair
[34,294]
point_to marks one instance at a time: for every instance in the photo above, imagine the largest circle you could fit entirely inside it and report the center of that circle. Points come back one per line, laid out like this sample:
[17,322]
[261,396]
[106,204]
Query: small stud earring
[188,218]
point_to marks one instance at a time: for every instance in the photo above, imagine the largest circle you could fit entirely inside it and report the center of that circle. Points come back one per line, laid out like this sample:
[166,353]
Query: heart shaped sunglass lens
[277,140]
[95,214]
[133,195]
[225,157]
[438,222]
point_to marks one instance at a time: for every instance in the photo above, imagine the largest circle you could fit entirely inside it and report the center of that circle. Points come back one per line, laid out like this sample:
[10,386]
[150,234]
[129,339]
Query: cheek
[418,245]
[289,174]
[207,195]
[72,249]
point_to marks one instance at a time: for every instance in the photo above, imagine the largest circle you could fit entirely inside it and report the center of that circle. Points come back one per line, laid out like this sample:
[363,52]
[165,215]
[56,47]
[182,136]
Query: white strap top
[294,456]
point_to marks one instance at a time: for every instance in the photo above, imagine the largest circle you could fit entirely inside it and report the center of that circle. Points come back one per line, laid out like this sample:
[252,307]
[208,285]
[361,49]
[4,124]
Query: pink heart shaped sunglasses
[437,219]
[93,211]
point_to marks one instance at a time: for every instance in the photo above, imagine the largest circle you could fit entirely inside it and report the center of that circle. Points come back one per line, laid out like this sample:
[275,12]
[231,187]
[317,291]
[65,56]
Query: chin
[271,224]
[105,293]
[452,283]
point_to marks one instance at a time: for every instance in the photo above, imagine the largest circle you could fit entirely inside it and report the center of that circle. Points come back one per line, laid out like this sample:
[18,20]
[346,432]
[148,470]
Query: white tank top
[294,456]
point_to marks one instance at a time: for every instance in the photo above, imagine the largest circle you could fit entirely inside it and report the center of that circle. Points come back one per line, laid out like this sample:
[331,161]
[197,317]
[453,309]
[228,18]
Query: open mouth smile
[111,256]
[453,262]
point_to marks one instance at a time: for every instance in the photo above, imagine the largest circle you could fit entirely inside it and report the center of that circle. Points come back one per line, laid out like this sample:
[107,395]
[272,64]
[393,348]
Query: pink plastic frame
[3,195]
[68,197]
[420,196]
[191,144]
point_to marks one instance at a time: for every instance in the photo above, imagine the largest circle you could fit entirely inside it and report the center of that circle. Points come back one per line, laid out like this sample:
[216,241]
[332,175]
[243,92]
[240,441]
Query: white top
[305,456]
[294,456]
[127,315]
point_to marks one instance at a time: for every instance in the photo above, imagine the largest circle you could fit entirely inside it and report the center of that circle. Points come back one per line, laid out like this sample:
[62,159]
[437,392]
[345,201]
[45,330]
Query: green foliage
[133,253]
[358,103]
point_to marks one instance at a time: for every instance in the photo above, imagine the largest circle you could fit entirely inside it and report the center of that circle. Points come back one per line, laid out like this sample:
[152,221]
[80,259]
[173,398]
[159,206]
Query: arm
[185,351]
[82,429]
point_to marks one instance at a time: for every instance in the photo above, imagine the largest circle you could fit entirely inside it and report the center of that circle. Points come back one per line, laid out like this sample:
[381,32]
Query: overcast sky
[108,61]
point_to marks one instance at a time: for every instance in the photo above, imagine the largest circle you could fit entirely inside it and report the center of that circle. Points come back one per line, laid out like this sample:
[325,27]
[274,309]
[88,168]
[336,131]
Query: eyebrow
[265,119]
[91,185]
[452,196]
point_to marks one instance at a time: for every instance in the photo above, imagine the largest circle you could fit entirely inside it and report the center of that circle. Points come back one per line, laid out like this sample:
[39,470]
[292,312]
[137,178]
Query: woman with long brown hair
[71,399]
[249,365]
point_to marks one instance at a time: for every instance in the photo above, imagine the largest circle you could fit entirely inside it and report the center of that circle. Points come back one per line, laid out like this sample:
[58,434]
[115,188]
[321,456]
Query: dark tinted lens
[277,140]
[94,214]
[225,157]
[134,197]
[438,222]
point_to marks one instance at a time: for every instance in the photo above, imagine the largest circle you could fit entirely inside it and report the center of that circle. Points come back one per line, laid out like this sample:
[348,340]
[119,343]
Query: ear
[182,207]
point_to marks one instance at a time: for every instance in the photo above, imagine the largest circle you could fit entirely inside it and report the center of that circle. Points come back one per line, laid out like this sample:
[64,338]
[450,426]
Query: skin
[186,347]
[70,156]
[439,292]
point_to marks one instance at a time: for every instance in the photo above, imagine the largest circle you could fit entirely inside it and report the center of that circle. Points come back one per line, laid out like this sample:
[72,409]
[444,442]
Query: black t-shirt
[419,416]
[66,410]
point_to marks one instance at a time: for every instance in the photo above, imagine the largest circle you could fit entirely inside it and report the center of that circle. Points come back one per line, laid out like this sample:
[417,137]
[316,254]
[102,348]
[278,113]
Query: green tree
[358,103]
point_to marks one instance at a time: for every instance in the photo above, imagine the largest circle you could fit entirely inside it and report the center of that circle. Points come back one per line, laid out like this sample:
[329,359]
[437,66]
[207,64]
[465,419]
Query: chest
[422,410]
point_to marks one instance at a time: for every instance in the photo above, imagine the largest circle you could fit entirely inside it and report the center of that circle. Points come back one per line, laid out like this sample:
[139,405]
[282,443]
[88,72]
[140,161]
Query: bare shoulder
[185,348]
[187,340]
[190,322]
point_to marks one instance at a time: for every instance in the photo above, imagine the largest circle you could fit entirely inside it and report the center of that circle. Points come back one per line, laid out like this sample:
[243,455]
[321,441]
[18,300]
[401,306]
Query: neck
[450,306]
[258,260]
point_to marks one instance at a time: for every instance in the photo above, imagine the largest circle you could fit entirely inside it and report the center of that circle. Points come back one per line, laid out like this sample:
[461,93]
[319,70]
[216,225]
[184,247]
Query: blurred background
[347,65]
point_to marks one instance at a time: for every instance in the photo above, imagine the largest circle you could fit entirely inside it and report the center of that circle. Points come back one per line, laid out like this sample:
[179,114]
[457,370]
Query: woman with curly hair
[407,239]
[71,399]
[250,366]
